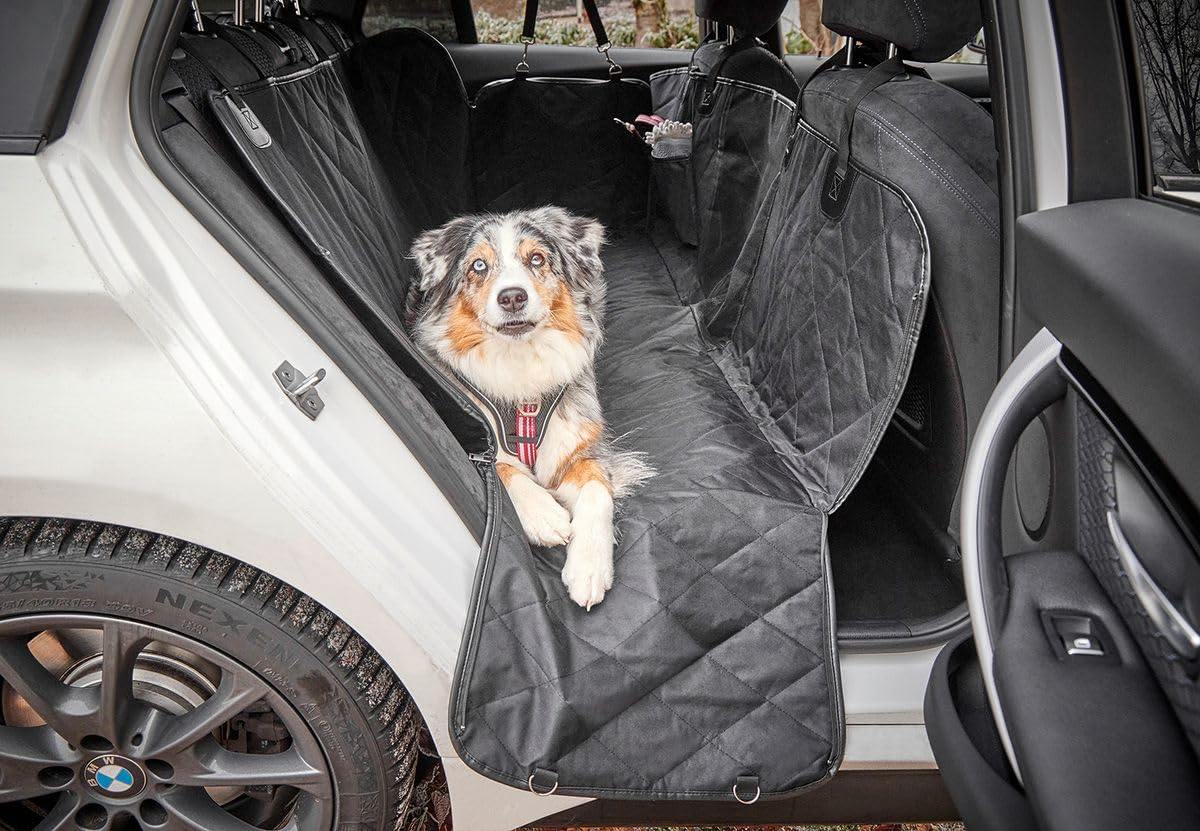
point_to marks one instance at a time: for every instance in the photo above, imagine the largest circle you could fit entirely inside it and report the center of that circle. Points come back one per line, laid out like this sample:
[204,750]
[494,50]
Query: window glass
[1168,33]
[434,16]
[662,24]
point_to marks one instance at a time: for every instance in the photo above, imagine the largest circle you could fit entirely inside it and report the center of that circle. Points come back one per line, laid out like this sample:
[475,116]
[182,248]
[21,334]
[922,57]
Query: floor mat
[883,568]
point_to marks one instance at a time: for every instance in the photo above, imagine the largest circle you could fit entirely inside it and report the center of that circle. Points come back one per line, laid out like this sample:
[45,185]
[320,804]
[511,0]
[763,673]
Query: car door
[1076,702]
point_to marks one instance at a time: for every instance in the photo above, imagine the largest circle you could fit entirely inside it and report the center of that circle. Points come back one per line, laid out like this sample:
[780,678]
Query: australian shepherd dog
[513,304]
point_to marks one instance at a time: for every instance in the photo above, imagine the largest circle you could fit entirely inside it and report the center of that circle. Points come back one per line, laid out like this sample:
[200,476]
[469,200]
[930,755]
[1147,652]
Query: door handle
[1171,623]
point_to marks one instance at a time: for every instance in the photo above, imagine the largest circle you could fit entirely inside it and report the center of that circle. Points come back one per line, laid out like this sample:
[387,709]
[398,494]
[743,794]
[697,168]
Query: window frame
[1141,116]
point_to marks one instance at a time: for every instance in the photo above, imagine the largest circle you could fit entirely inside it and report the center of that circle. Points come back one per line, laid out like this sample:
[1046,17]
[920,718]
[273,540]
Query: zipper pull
[482,458]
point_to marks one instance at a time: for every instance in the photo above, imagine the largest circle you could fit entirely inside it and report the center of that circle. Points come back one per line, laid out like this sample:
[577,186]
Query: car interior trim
[1017,393]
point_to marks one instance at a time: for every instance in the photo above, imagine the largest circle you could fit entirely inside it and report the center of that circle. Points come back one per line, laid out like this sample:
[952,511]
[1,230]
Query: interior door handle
[1171,623]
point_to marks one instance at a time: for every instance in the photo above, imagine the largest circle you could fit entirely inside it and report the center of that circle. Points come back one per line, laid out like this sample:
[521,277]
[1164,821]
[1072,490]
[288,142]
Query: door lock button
[1075,635]
[1082,645]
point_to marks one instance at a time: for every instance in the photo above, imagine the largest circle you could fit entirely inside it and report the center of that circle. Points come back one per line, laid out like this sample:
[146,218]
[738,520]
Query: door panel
[1088,635]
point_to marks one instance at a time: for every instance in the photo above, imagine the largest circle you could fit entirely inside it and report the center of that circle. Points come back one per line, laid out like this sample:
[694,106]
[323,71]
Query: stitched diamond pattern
[712,656]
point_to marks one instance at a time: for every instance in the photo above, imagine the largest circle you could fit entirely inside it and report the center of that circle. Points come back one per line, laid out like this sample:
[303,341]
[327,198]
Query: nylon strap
[710,81]
[879,75]
[593,13]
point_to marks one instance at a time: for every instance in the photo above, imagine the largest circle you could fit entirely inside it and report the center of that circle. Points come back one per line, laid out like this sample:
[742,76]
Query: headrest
[924,30]
[747,17]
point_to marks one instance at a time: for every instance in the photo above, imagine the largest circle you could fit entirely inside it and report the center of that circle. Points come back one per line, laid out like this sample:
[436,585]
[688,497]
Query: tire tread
[365,675]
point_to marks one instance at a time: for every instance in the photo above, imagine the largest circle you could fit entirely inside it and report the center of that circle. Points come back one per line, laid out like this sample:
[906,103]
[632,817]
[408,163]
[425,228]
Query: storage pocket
[674,191]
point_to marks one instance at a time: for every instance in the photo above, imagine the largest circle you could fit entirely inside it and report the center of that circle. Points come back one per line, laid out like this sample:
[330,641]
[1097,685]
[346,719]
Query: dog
[513,304]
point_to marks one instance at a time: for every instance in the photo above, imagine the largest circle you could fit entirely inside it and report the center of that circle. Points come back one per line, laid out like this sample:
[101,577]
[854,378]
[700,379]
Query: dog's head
[513,302]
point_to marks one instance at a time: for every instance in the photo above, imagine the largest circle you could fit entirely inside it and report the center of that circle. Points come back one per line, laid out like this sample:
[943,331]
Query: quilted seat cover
[713,659]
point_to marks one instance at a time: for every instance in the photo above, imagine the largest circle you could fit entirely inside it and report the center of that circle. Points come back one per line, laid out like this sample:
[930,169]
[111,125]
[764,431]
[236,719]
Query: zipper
[485,462]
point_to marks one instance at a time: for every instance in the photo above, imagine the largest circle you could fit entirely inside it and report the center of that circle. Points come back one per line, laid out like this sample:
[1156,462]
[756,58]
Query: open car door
[1076,703]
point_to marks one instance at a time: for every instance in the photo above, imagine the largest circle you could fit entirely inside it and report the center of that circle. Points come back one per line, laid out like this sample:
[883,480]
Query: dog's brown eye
[479,266]
[537,260]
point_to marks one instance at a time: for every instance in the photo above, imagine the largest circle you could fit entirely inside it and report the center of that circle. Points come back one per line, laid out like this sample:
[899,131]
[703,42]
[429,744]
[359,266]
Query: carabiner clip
[614,68]
[523,64]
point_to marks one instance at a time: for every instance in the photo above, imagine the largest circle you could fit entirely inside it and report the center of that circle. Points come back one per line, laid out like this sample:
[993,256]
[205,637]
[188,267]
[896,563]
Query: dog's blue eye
[537,260]
[479,266]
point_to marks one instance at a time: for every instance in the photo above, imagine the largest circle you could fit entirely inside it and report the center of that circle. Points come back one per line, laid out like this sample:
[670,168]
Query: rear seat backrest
[412,103]
[938,145]
[830,310]
[740,100]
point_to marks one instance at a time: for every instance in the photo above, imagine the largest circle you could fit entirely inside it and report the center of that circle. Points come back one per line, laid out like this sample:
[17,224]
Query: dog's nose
[512,300]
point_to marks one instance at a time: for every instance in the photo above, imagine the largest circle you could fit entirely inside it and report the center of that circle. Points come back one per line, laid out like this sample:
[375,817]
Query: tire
[167,591]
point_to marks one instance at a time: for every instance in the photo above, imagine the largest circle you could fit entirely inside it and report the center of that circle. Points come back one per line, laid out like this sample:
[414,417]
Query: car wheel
[154,683]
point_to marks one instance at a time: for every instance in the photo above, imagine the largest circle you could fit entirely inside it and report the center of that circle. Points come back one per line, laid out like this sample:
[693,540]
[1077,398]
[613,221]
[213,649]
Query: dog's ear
[437,252]
[579,238]
[590,234]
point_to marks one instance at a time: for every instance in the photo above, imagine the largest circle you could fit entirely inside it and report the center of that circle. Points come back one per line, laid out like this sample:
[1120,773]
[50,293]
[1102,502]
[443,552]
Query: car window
[1168,38]
[663,24]
[434,16]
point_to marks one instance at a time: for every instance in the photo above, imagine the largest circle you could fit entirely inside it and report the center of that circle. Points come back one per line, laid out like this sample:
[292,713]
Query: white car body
[136,360]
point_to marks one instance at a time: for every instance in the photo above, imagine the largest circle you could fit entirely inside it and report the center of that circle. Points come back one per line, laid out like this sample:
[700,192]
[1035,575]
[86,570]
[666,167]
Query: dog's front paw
[588,572]
[546,523]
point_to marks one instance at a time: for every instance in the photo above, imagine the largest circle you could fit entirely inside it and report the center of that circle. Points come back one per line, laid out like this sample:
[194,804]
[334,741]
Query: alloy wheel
[113,724]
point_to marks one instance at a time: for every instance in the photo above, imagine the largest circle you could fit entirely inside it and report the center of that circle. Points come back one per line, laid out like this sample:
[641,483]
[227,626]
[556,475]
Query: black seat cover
[712,663]
[938,145]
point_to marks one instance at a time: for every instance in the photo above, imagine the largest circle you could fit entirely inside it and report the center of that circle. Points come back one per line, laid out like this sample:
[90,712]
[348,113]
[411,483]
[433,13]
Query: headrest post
[260,12]
[892,51]
[239,12]
[850,43]
[197,18]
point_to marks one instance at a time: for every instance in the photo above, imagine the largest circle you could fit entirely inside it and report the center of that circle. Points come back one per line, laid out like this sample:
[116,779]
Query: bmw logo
[114,777]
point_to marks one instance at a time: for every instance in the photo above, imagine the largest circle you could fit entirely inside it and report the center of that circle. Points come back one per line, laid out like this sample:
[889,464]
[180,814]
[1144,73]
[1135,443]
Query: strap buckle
[614,68]
[523,64]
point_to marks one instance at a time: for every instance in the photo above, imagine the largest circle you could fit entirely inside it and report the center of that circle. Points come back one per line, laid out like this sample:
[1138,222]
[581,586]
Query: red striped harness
[527,428]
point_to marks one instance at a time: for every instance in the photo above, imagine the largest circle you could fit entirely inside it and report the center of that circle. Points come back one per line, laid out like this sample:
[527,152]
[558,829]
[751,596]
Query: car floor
[883,568]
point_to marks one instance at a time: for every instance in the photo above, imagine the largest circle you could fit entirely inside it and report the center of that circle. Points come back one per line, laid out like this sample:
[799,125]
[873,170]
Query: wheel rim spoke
[77,675]
[61,816]
[213,765]
[191,809]
[121,646]
[235,692]
[24,753]
[65,708]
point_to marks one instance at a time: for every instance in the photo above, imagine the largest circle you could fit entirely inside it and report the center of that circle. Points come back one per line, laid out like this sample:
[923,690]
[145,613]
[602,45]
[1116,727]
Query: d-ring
[757,794]
[536,792]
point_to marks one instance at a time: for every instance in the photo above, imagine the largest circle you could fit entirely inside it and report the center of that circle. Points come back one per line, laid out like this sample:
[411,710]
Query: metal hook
[614,68]
[523,64]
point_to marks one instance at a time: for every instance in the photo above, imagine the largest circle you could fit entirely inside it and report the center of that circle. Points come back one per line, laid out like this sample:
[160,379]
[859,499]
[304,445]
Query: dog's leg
[587,492]
[544,520]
